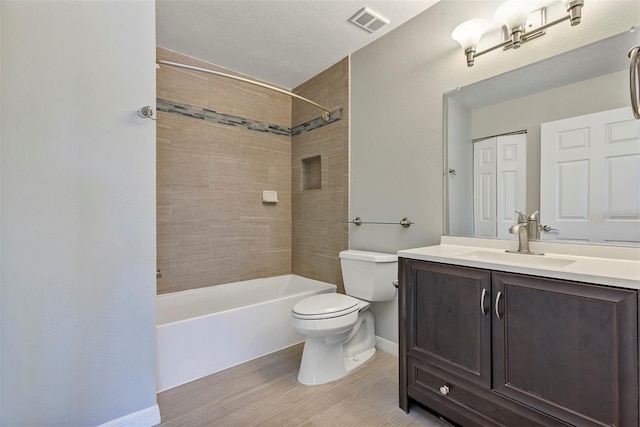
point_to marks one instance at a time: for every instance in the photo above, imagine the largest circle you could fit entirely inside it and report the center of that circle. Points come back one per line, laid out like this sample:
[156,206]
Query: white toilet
[338,329]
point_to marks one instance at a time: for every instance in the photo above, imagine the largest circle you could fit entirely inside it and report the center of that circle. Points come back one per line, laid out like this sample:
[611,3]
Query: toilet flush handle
[395,283]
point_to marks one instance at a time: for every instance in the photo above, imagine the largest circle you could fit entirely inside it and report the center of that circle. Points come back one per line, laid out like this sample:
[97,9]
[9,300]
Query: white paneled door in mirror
[511,181]
[484,188]
[590,178]
[499,180]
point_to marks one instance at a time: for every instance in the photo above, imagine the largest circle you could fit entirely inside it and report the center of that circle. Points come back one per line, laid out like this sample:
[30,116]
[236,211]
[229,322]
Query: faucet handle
[534,216]
[522,218]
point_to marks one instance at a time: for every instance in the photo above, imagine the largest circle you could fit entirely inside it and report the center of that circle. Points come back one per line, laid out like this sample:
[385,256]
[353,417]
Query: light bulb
[468,33]
[514,13]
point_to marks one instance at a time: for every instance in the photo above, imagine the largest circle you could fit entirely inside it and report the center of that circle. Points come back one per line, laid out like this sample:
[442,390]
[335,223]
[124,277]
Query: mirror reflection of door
[499,181]
[590,178]
[593,78]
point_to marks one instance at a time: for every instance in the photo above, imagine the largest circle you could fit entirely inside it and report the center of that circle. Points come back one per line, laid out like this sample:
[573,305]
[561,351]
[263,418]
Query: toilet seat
[325,306]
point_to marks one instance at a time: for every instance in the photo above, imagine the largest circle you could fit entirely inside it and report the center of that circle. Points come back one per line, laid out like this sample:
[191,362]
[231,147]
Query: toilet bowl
[339,329]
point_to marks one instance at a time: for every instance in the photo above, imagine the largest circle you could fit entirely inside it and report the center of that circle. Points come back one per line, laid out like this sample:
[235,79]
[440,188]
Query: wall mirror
[547,97]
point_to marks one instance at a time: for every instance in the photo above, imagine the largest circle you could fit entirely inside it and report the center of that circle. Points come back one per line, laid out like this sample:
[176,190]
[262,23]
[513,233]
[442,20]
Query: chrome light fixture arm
[469,35]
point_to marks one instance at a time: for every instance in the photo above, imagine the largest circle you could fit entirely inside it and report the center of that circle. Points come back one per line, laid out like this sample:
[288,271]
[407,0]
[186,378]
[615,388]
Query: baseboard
[144,418]
[387,346]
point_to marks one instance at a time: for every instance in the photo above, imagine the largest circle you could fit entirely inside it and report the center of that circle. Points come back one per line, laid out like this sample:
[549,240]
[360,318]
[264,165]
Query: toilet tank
[369,275]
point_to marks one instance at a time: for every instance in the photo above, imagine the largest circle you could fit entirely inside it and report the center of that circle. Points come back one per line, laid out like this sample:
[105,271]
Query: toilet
[338,329]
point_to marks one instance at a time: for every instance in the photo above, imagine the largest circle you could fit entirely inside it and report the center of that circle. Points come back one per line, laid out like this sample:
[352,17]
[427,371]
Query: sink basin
[518,259]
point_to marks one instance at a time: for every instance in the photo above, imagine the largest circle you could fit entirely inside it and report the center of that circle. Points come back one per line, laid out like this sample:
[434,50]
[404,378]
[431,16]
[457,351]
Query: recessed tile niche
[312,173]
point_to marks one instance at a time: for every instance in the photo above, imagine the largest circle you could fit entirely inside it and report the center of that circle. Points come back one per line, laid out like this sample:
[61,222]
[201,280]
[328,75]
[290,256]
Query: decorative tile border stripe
[230,120]
[316,123]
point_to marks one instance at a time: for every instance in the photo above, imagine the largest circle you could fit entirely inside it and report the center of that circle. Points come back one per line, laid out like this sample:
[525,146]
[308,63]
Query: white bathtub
[206,330]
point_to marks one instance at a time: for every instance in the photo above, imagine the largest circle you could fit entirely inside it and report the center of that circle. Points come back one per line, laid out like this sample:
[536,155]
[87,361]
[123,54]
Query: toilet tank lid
[368,256]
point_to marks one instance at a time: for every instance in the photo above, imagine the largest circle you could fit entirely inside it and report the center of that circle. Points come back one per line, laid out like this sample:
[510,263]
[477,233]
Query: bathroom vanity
[491,338]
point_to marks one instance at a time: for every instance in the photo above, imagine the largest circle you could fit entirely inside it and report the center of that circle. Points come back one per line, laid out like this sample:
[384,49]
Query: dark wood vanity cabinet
[491,348]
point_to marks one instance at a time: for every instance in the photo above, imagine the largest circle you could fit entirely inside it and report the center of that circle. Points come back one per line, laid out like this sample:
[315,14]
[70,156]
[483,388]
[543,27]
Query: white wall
[397,84]
[78,211]
[459,186]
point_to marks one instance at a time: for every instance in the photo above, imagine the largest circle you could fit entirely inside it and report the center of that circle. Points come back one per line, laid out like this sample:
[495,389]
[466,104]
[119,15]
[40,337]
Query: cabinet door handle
[497,303]
[484,293]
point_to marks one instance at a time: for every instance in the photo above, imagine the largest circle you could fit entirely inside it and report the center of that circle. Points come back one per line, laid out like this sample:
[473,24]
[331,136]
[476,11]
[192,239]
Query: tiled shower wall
[320,231]
[212,226]
[220,143]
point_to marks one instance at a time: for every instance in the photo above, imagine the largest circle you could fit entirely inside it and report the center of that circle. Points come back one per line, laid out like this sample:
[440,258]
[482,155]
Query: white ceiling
[284,42]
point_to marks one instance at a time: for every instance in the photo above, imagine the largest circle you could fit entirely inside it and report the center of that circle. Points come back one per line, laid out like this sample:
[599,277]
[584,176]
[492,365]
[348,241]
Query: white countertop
[605,265]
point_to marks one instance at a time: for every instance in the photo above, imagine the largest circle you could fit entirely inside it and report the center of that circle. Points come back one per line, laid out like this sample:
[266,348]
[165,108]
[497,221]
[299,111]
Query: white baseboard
[144,418]
[387,346]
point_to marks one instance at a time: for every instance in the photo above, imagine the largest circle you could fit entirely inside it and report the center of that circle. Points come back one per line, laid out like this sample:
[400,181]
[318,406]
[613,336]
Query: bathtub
[206,330]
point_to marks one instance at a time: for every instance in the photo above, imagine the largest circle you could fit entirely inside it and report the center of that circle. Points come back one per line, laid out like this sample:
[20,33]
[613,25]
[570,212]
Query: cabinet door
[567,349]
[448,326]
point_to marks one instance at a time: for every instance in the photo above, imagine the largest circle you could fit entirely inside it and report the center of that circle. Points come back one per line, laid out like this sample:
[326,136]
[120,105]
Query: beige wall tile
[202,271]
[183,86]
[203,204]
[163,283]
[180,167]
[238,173]
[280,235]
[212,225]
[164,124]
[163,203]
[246,100]
[329,88]
[280,181]
[318,215]
[199,135]
[270,148]
[220,94]
[181,239]
[265,264]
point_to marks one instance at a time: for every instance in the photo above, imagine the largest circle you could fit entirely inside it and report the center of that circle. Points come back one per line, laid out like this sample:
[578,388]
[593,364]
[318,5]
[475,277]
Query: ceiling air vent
[369,20]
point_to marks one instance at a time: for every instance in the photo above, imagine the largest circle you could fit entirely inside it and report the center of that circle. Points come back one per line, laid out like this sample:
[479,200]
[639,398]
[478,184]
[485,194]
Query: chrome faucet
[533,226]
[524,229]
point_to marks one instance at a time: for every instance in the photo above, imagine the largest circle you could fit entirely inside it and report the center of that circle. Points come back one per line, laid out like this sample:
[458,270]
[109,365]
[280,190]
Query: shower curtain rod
[326,115]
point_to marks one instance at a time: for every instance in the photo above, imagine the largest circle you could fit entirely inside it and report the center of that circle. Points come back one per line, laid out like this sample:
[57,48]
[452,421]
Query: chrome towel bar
[405,222]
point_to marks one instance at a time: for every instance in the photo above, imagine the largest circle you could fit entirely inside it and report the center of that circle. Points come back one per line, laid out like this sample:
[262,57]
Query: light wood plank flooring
[265,392]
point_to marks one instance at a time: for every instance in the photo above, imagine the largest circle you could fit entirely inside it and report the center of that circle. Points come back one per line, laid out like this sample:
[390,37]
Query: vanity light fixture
[513,15]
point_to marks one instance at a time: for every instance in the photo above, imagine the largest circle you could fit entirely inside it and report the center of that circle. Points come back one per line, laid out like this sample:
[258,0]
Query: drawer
[467,403]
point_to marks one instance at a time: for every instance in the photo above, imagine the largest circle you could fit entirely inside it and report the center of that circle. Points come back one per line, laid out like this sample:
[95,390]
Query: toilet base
[328,364]
[352,363]
[323,358]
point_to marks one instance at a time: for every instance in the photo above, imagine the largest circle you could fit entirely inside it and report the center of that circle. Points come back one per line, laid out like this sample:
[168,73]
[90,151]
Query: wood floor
[264,392]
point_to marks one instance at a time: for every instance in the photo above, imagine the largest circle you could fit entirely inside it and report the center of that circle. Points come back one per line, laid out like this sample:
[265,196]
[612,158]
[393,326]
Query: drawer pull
[444,390]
